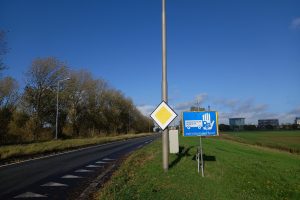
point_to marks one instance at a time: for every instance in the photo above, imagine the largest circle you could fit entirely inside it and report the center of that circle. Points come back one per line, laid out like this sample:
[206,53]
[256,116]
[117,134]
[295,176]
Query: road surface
[65,175]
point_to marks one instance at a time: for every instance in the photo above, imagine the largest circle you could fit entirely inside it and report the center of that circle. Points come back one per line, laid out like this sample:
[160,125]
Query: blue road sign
[203,123]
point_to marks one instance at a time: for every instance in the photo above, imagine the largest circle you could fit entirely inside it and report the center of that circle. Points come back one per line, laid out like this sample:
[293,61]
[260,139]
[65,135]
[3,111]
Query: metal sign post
[201,154]
[200,124]
[199,157]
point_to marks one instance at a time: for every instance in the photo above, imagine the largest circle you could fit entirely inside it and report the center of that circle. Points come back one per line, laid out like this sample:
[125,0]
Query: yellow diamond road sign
[163,115]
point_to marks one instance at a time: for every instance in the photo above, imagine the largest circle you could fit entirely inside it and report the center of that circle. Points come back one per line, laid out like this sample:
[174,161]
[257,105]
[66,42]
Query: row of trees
[87,106]
[225,127]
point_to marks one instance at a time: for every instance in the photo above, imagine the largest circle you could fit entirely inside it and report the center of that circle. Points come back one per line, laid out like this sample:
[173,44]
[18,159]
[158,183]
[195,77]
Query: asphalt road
[66,175]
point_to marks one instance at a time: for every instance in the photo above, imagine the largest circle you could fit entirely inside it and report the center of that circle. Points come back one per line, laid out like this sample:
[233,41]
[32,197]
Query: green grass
[283,140]
[232,171]
[14,152]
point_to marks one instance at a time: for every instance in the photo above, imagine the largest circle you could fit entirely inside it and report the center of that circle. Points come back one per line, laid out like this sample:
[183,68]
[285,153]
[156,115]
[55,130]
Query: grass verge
[232,171]
[18,152]
[282,140]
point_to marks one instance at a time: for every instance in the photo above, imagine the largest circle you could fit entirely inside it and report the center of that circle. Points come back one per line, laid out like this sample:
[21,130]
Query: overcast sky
[240,57]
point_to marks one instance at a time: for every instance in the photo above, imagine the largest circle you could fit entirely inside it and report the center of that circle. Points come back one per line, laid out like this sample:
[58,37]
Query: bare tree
[77,89]
[8,92]
[3,49]
[39,95]
[87,106]
[8,99]
[85,97]
[96,117]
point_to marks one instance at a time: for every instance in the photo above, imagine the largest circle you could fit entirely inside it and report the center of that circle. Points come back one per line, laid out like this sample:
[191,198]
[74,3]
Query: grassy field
[29,150]
[283,140]
[232,171]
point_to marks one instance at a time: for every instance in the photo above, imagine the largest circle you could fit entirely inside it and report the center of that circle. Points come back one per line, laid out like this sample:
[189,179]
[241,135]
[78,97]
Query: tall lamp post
[165,135]
[56,124]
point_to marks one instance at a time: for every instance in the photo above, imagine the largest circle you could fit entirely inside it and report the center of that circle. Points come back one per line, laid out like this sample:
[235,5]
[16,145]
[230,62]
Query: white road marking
[101,162]
[108,159]
[71,176]
[29,195]
[92,187]
[140,146]
[93,166]
[84,170]
[54,184]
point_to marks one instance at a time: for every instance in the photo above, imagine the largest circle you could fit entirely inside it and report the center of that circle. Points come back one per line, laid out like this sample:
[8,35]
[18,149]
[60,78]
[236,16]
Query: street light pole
[57,91]
[56,122]
[165,135]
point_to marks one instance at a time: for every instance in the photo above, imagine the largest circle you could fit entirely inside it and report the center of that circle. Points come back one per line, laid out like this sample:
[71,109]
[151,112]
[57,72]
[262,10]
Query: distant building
[297,120]
[195,108]
[236,123]
[268,123]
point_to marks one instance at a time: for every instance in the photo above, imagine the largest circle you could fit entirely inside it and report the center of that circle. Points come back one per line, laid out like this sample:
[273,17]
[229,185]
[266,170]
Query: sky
[241,58]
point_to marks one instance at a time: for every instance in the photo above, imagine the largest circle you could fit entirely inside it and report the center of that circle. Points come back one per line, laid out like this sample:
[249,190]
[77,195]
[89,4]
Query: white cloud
[230,108]
[238,106]
[146,109]
[248,109]
[251,111]
[230,103]
[200,98]
[184,106]
[295,111]
[295,24]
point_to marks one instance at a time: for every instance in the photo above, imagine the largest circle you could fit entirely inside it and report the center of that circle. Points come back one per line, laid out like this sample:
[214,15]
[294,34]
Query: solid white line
[62,153]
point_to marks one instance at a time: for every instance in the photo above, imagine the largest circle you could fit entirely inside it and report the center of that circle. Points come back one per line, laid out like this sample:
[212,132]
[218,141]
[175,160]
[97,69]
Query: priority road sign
[163,115]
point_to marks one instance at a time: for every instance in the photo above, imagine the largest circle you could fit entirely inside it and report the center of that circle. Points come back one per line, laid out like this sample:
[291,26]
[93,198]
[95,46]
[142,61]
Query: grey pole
[165,135]
[56,123]
[128,121]
[201,156]
[57,91]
